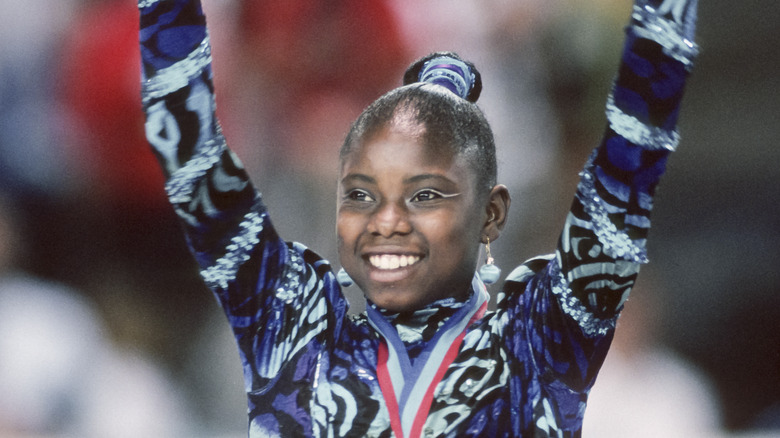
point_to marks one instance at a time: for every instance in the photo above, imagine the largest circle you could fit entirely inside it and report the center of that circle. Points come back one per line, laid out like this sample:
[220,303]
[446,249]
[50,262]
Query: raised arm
[604,239]
[205,182]
[603,242]
[277,296]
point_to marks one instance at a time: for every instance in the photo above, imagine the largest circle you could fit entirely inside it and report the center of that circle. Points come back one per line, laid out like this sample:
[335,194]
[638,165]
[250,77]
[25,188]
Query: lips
[392,261]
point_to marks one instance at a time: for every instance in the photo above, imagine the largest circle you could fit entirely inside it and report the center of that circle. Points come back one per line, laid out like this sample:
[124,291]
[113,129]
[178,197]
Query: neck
[417,327]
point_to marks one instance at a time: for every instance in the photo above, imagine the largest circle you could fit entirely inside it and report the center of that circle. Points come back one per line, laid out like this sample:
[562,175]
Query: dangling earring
[343,278]
[489,272]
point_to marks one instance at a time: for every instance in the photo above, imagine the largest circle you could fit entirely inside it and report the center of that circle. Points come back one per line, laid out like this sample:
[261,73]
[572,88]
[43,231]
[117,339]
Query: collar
[416,328]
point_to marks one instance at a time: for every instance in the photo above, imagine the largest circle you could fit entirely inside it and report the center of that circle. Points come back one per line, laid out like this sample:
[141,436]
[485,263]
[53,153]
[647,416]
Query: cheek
[459,236]
[348,228]
[452,232]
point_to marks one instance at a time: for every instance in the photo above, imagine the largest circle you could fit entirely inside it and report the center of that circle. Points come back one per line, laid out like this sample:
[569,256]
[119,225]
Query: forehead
[402,148]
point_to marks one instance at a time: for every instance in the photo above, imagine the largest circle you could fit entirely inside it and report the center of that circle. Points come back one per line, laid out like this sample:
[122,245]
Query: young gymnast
[417,196]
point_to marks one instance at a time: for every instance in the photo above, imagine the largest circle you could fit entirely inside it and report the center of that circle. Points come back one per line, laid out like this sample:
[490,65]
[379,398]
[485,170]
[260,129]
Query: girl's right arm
[264,284]
[205,183]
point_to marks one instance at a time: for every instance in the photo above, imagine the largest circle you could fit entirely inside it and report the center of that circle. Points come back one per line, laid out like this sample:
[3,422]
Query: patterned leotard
[311,369]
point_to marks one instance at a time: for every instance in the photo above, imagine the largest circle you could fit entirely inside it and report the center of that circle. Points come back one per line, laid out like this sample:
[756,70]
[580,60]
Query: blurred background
[106,330]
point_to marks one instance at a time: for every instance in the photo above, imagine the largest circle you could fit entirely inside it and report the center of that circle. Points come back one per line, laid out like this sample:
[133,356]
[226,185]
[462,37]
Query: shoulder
[523,273]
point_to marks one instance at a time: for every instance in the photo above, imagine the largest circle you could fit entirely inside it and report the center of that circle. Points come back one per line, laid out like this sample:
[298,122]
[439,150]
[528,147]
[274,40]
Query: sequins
[285,294]
[638,133]
[591,325]
[178,75]
[238,252]
[182,182]
[616,244]
[365,375]
[291,280]
[667,33]
[147,3]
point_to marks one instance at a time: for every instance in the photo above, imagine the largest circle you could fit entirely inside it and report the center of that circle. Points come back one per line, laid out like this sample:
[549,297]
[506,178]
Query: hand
[680,12]
[677,8]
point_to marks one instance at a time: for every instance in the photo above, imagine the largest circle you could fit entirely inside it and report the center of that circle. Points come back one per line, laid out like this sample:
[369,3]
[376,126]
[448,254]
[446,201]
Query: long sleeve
[309,370]
[604,239]
[278,297]
[205,183]
[564,307]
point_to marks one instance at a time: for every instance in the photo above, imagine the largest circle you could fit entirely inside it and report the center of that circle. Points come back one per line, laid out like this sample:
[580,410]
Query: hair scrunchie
[450,73]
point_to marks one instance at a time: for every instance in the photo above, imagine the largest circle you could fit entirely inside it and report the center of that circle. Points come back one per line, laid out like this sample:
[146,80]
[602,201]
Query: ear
[496,211]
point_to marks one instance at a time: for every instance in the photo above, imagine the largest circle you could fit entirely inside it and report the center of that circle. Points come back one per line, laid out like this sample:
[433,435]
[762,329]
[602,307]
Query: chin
[394,303]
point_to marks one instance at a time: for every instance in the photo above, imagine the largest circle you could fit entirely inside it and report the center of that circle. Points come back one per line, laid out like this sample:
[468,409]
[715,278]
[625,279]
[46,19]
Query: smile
[392,261]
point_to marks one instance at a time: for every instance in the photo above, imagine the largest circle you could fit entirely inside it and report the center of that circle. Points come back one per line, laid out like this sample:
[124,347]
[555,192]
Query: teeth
[392,261]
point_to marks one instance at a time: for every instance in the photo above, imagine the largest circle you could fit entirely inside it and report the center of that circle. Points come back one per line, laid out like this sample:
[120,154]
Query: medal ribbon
[408,387]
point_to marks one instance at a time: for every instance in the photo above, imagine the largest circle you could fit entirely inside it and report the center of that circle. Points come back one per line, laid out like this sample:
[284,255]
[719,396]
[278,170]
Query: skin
[401,201]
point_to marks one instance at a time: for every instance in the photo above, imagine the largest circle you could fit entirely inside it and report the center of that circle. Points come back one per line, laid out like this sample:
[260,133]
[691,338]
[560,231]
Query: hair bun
[448,70]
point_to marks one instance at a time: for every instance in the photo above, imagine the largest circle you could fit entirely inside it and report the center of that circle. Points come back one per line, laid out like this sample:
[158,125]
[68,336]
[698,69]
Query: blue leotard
[452,369]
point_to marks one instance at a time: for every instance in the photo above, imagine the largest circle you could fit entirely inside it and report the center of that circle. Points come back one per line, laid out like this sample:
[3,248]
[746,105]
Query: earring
[489,273]
[343,278]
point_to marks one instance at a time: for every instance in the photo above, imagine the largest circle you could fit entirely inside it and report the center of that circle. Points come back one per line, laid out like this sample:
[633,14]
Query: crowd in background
[106,330]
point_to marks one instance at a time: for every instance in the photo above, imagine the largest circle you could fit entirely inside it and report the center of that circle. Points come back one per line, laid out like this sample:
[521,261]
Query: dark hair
[449,119]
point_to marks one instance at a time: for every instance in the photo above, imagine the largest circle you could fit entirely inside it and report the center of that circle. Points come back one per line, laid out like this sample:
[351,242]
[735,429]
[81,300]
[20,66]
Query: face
[409,220]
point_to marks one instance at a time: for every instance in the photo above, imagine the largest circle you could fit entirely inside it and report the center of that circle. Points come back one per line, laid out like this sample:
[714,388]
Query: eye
[358,195]
[427,195]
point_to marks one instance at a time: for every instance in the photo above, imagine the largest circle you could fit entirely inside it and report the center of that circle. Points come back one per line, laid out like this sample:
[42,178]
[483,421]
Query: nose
[390,218]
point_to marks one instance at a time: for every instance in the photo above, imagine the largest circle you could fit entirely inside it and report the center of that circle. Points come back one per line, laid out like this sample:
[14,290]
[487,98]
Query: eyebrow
[411,180]
[426,177]
[358,177]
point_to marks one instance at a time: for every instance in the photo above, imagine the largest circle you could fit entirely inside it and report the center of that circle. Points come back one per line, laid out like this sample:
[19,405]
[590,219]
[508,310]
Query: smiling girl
[417,197]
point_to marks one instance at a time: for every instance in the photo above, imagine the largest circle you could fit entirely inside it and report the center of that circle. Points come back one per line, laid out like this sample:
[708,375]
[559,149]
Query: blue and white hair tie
[450,73]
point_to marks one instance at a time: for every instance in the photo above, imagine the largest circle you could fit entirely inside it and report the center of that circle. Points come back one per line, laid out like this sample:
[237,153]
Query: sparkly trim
[147,3]
[591,325]
[178,75]
[181,183]
[616,244]
[665,32]
[291,279]
[237,252]
[638,133]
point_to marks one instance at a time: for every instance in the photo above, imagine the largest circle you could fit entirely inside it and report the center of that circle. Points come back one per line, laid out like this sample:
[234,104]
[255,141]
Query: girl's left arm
[603,243]
[574,304]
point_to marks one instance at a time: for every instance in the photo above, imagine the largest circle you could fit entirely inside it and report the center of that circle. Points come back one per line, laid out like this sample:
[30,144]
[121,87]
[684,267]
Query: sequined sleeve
[574,300]
[277,296]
